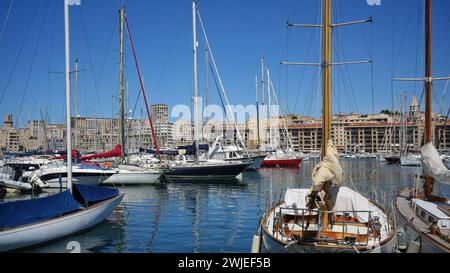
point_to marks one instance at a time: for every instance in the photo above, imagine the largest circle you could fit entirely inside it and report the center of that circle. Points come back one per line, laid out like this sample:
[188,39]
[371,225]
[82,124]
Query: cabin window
[431,219]
[422,213]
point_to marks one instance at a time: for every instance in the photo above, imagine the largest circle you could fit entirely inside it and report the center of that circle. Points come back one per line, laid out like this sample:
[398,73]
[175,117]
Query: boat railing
[305,214]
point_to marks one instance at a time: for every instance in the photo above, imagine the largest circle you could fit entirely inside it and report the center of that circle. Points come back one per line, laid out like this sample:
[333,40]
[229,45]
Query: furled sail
[433,166]
[328,170]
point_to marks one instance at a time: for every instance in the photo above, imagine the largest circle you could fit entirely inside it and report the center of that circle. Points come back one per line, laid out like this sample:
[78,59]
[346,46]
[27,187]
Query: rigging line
[20,52]
[220,81]
[102,69]
[307,53]
[132,115]
[90,59]
[33,58]
[6,20]
[402,43]
[50,57]
[419,24]
[342,72]
[183,23]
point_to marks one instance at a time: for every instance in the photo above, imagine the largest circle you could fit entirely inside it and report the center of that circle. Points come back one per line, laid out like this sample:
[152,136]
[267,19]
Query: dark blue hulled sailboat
[27,223]
[207,169]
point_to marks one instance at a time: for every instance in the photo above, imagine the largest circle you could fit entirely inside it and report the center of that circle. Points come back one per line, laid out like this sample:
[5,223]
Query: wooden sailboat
[327,217]
[27,223]
[423,220]
[206,169]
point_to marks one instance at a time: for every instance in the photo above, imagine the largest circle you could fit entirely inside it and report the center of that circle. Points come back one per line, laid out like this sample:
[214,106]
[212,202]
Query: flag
[74,2]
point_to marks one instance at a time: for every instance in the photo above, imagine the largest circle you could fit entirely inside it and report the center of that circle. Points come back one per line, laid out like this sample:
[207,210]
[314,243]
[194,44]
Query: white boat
[54,175]
[235,153]
[411,160]
[133,175]
[7,182]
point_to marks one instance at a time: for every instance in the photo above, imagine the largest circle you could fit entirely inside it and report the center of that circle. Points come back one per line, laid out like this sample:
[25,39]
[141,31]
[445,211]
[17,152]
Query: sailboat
[327,217]
[26,223]
[127,174]
[278,158]
[202,169]
[423,219]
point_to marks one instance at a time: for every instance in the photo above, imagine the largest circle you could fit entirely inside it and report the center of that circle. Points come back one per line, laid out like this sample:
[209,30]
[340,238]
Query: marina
[363,167]
[213,217]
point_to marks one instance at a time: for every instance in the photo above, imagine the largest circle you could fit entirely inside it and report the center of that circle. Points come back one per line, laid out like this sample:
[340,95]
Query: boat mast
[121,93]
[68,108]
[263,102]
[428,186]
[195,47]
[257,112]
[76,103]
[326,76]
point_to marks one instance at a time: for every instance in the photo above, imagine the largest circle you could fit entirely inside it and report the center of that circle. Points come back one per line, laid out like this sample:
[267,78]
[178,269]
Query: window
[431,219]
[422,214]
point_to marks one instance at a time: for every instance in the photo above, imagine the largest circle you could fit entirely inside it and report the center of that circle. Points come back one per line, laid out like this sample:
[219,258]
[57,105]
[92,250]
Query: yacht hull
[272,245]
[206,171]
[144,178]
[282,163]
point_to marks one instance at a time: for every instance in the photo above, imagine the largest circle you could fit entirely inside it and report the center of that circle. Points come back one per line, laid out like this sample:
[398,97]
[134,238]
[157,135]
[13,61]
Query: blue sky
[240,32]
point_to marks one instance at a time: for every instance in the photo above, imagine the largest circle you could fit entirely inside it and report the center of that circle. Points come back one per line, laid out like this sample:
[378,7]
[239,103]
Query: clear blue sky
[240,32]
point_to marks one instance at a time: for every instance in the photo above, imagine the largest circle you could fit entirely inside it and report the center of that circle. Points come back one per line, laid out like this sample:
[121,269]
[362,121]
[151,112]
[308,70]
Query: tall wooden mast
[326,75]
[428,187]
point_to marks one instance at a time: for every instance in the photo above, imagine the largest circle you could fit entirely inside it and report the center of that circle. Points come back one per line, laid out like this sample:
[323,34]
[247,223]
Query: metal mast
[121,96]
[196,110]
[68,108]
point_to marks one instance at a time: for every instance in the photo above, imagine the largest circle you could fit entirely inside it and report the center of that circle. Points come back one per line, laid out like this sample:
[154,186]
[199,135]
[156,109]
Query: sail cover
[433,166]
[91,194]
[22,212]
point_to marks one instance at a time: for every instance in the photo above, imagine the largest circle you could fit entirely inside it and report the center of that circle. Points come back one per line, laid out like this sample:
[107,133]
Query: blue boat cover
[91,194]
[22,212]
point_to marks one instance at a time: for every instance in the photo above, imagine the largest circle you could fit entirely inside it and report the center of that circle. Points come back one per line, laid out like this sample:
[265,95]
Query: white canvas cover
[346,200]
[433,166]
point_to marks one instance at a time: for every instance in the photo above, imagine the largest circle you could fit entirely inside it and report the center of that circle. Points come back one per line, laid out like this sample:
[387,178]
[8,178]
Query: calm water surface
[216,216]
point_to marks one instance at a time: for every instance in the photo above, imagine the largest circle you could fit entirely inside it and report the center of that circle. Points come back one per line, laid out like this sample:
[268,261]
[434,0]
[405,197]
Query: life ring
[107,165]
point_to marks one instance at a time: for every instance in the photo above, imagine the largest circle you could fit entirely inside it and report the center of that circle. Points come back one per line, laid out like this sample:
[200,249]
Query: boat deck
[403,206]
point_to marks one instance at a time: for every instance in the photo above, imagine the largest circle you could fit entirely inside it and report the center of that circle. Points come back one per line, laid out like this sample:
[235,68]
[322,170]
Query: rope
[20,51]
[220,82]
[6,20]
[91,63]
[155,140]
[33,58]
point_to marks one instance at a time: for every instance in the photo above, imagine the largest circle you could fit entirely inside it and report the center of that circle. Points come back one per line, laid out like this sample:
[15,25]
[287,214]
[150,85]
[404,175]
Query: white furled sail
[433,166]
[327,170]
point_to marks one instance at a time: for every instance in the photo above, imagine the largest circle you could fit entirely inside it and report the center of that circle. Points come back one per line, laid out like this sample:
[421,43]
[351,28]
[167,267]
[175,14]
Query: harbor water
[217,216]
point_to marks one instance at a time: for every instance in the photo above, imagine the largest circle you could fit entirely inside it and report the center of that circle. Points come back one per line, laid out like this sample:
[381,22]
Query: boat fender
[414,247]
[401,240]
[256,244]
